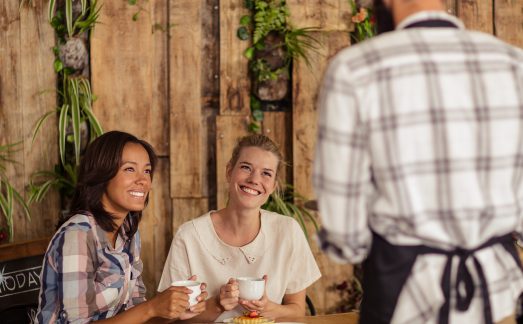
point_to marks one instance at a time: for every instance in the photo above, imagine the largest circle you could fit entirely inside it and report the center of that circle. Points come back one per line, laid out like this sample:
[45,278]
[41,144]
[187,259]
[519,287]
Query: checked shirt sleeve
[342,170]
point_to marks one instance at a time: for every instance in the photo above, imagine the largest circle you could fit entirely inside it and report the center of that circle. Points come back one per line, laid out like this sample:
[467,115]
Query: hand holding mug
[229,294]
[253,293]
[198,304]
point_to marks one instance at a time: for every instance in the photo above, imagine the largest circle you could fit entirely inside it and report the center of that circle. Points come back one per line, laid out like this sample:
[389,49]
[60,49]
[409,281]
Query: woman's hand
[229,294]
[259,306]
[198,308]
[171,303]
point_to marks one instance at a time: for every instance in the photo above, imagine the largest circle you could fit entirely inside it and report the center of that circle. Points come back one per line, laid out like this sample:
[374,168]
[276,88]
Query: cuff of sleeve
[339,249]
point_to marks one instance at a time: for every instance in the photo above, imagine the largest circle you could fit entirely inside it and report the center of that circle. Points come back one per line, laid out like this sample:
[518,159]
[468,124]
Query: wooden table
[342,318]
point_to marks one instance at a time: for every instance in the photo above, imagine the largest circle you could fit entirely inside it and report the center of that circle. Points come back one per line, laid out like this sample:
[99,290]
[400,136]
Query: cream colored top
[280,250]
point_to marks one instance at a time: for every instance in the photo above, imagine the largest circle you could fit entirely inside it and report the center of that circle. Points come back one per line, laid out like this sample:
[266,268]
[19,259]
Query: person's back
[424,127]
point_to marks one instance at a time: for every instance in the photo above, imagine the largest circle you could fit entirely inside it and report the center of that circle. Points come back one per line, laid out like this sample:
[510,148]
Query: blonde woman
[243,240]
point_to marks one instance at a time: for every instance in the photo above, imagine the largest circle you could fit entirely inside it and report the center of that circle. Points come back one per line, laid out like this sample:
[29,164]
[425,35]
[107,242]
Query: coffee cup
[251,288]
[192,285]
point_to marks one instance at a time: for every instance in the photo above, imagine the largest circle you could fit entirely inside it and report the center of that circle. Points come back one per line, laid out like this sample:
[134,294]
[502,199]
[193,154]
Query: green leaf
[132,2]
[62,130]
[58,65]
[135,16]
[245,20]
[255,103]
[257,115]
[50,10]
[254,128]
[39,124]
[249,53]
[69,17]
[249,4]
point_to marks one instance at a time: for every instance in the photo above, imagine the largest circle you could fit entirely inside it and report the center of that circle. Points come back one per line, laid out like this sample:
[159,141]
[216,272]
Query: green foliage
[271,16]
[75,104]
[8,194]
[67,25]
[289,203]
[363,20]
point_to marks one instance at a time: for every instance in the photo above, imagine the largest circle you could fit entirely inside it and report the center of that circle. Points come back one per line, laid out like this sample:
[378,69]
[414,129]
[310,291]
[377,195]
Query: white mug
[191,284]
[251,288]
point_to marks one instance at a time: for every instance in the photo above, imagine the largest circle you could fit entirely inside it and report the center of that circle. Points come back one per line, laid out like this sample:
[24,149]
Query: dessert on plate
[251,318]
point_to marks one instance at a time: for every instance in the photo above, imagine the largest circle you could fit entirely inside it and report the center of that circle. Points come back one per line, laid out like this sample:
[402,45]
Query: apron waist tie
[464,286]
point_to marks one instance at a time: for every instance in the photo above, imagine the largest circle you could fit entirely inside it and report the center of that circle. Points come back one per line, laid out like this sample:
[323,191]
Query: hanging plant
[275,44]
[364,22]
[77,124]
[9,196]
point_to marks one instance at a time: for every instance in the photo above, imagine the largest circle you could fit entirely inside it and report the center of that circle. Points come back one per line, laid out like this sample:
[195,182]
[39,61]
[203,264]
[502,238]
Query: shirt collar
[223,252]
[429,15]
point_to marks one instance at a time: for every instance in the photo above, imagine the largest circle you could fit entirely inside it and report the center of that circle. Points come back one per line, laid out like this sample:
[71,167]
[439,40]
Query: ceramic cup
[192,285]
[251,288]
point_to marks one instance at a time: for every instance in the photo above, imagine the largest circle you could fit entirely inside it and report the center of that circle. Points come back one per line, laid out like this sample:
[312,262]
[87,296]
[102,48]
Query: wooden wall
[176,77]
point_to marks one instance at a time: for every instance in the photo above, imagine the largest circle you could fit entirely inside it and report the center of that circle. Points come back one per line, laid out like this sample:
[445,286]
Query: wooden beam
[327,15]
[156,228]
[277,126]
[476,14]
[306,83]
[235,84]
[508,19]
[228,130]
[186,99]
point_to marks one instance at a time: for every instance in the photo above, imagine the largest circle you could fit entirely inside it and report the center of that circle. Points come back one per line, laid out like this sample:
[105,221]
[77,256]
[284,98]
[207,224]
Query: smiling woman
[92,268]
[243,240]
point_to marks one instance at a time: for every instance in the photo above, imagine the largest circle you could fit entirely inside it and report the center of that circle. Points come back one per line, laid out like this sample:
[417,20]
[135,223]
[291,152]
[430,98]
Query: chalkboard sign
[20,267]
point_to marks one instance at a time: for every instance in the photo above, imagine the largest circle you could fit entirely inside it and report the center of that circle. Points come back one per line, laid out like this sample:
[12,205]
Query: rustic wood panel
[277,126]
[23,249]
[329,15]
[306,83]
[322,292]
[37,98]
[476,14]
[159,132]
[122,69]
[27,83]
[228,130]
[185,209]
[186,98]
[234,80]
[156,228]
[509,21]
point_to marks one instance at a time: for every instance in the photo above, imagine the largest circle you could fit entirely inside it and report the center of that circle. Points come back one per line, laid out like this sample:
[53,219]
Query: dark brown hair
[99,165]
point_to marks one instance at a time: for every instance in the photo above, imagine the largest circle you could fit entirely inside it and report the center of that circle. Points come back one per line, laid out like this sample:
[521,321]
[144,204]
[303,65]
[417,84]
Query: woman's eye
[245,167]
[148,171]
[130,169]
[268,174]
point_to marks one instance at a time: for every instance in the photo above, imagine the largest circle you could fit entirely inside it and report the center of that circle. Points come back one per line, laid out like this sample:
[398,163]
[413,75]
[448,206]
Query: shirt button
[63,315]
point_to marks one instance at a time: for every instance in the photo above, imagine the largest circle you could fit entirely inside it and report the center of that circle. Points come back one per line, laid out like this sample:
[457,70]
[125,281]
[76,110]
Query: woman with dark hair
[92,269]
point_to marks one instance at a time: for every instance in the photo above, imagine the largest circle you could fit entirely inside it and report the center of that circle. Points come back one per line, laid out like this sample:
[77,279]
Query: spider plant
[288,202]
[87,18]
[8,194]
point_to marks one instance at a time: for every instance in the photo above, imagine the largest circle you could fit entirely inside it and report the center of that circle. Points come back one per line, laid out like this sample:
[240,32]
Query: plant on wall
[77,124]
[363,20]
[275,44]
[288,202]
[8,194]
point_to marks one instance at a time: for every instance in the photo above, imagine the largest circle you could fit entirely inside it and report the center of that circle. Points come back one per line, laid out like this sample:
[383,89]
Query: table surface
[342,318]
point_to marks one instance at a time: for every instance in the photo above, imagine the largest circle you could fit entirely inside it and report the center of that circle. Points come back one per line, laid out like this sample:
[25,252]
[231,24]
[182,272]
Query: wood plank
[476,14]
[228,130]
[160,76]
[327,15]
[156,228]
[186,104]
[24,97]
[306,83]
[277,126]
[235,84]
[122,69]
[322,294]
[185,209]
[508,17]
[23,249]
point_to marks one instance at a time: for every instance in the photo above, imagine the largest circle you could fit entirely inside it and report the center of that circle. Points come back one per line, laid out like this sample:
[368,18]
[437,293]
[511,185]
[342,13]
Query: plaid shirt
[84,279]
[421,140]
